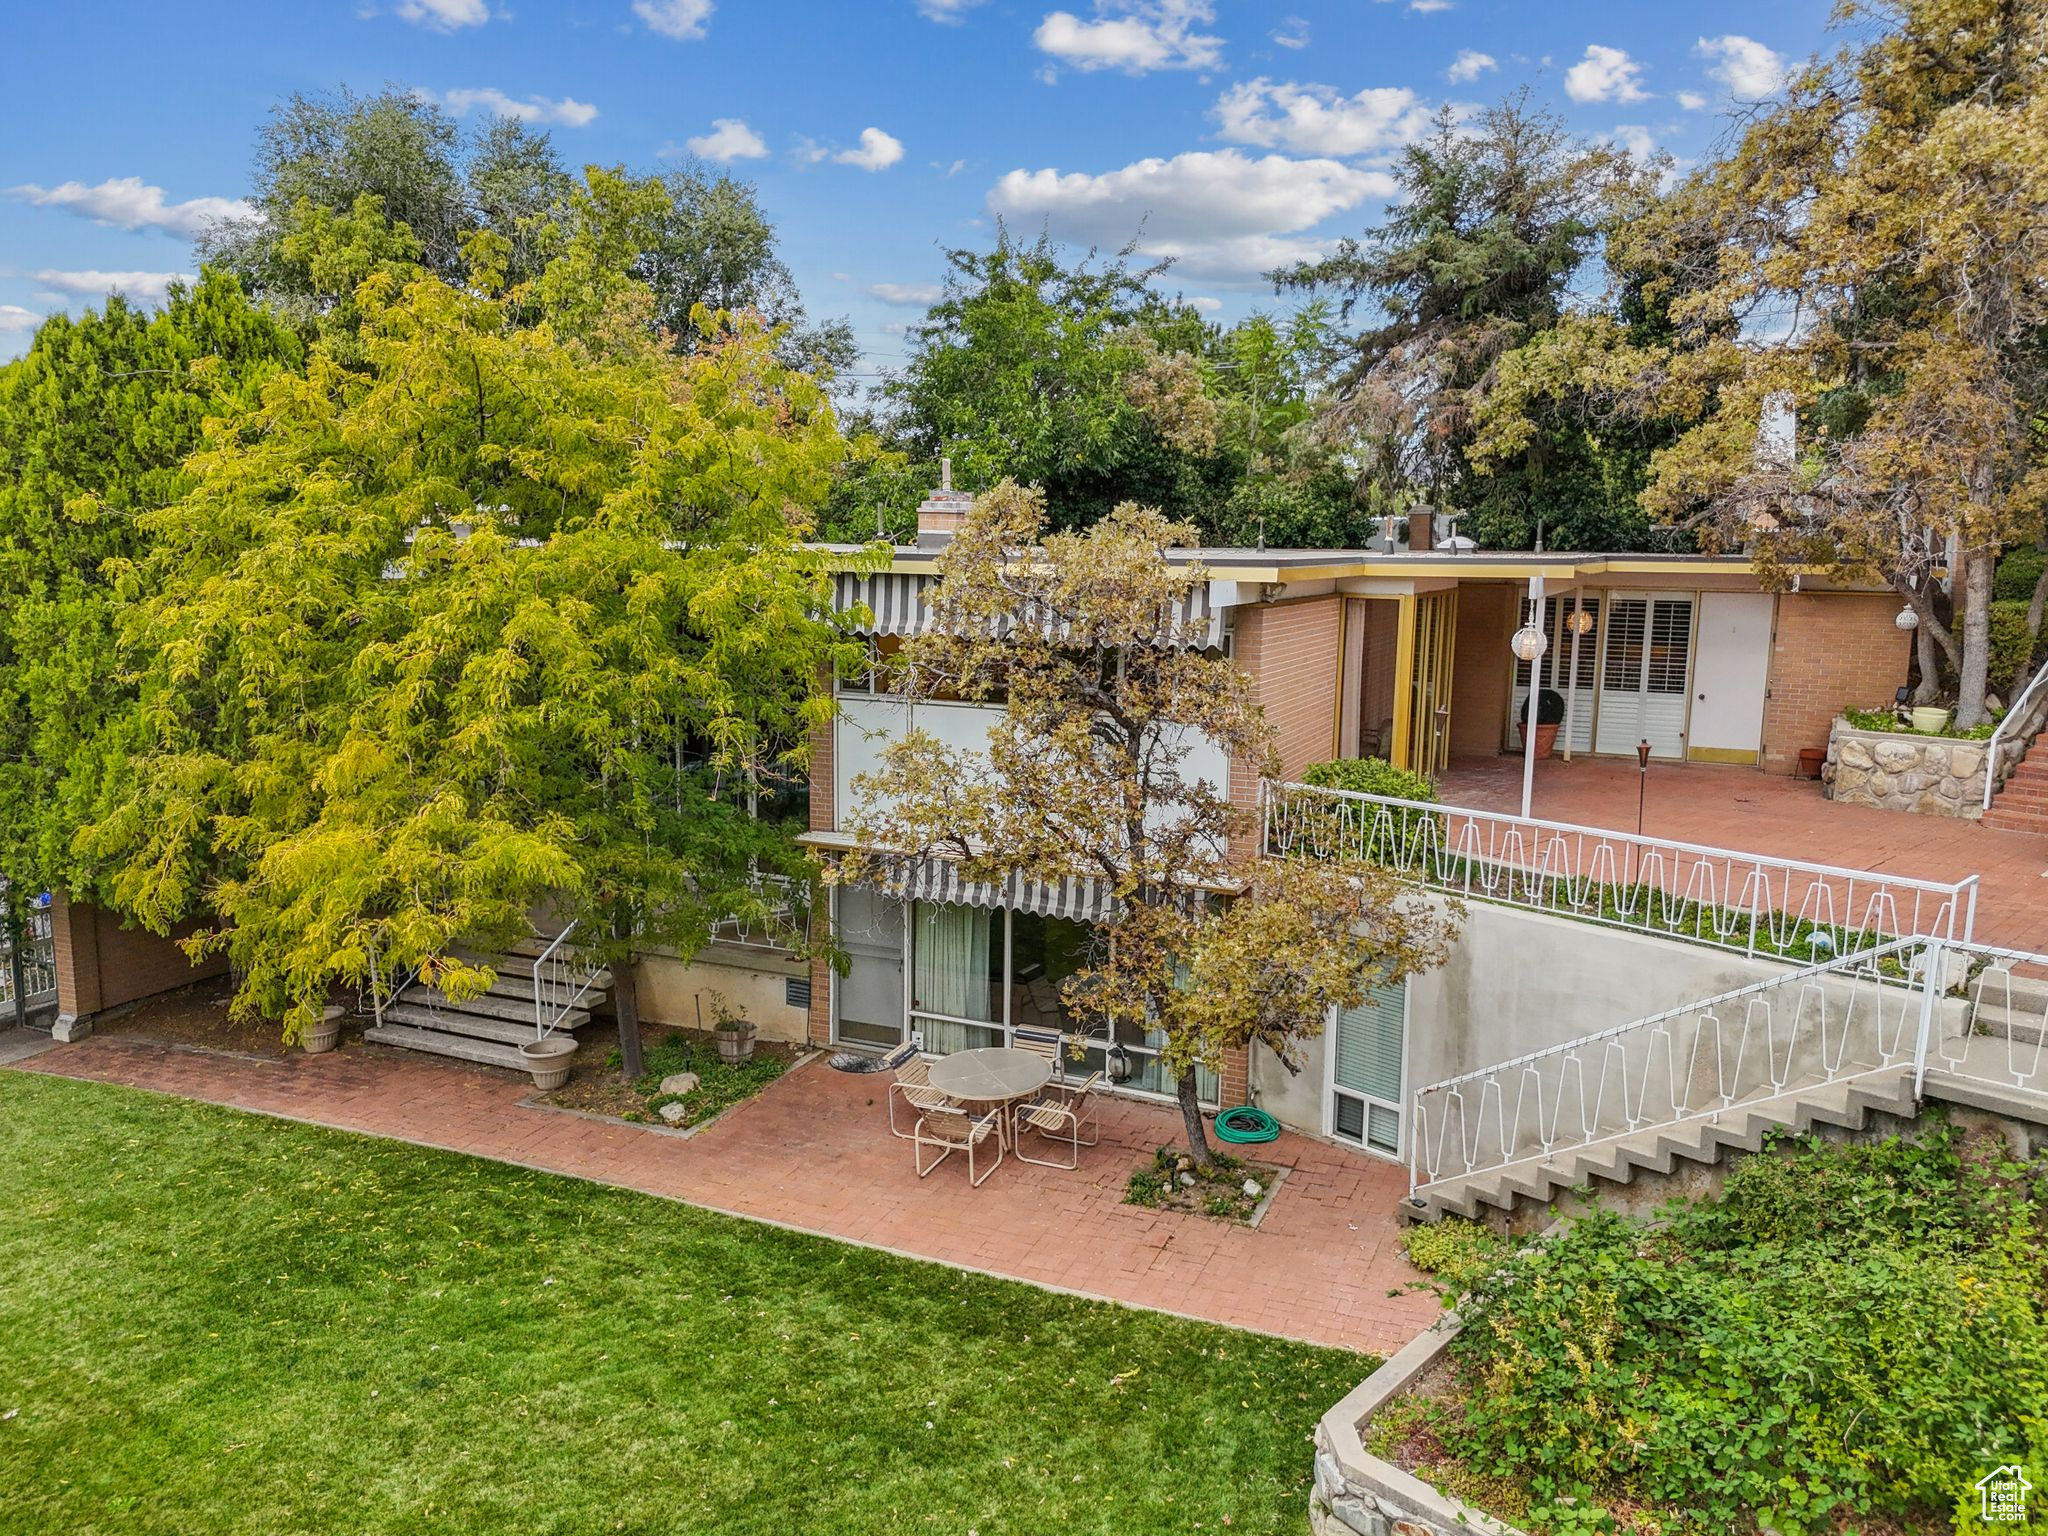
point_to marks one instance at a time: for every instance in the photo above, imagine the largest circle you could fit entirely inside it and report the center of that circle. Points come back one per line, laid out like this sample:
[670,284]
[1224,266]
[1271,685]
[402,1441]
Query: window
[1366,1089]
[957,963]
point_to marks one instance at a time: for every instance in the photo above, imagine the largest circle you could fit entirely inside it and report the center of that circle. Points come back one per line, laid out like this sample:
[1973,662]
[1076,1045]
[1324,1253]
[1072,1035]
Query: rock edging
[1895,771]
[1358,1494]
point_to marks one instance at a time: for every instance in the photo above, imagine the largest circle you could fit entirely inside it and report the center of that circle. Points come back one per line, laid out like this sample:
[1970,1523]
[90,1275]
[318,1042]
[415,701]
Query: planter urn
[736,1045]
[324,1036]
[1930,718]
[1546,739]
[548,1060]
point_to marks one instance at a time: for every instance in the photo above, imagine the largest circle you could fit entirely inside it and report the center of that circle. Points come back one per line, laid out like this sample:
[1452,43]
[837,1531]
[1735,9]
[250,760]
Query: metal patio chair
[1049,1043]
[1061,1117]
[953,1128]
[913,1084]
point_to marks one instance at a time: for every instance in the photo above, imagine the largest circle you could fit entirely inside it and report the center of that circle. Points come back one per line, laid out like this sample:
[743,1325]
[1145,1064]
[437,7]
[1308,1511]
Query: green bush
[2018,571]
[2011,646]
[1370,776]
[1847,1333]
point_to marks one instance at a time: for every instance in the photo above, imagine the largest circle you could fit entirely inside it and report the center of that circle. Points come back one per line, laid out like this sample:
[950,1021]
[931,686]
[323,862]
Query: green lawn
[213,1322]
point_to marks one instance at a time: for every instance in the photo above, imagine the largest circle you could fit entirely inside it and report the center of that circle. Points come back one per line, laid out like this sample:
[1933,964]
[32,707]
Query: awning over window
[895,601]
[1079,897]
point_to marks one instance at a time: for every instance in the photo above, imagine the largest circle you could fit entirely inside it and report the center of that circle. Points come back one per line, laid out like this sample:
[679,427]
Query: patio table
[996,1075]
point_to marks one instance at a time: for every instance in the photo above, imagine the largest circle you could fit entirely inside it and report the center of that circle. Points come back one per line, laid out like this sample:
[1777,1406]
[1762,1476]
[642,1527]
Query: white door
[1733,661]
[1645,670]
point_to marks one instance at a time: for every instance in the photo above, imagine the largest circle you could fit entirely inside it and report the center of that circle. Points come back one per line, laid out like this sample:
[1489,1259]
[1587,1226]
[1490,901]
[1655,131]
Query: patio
[813,1152]
[1740,808]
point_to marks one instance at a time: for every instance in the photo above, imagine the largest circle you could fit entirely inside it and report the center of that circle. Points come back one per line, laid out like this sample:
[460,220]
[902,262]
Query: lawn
[214,1322]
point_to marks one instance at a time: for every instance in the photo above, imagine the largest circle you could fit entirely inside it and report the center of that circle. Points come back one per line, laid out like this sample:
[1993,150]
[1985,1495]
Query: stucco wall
[751,979]
[1829,649]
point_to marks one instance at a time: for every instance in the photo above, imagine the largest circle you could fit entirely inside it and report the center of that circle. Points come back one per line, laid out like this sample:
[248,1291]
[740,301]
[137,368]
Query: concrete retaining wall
[753,979]
[1894,771]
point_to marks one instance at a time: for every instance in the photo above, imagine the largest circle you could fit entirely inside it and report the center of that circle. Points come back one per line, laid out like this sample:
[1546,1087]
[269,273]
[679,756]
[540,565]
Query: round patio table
[996,1075]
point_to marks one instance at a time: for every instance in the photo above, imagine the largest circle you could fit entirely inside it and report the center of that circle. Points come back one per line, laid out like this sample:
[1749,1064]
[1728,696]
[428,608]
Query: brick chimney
[1422,530]
[940,514]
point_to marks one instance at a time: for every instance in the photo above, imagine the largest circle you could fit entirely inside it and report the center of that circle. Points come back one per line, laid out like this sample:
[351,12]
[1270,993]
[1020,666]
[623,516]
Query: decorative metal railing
[1994,1033]
[778,918]
[1754,904]
[2011,729]
[562,977]
[1821,1024]
[37,961]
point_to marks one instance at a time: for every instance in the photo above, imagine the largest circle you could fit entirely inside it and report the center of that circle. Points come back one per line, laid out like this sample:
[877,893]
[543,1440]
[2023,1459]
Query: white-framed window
[1364,1093]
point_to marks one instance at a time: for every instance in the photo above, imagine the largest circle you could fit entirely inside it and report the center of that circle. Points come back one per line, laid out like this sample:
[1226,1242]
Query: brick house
[1400,653]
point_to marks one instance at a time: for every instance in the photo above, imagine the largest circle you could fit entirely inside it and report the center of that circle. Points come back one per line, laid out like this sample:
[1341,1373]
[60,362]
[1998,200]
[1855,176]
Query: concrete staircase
[1536,1182]
[2022,805]
[487,1029]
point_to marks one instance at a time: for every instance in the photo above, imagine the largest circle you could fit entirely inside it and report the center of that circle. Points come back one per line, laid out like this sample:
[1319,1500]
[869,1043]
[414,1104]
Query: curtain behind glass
[950,973]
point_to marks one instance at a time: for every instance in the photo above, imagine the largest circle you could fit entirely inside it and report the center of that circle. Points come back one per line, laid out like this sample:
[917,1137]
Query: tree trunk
[1929,651]
[1975,673]
[1191,1117]
[626,1003]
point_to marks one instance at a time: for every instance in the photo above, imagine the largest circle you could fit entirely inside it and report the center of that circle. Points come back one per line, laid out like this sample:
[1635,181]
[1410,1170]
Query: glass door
[958,955]
[1645,671]
[1367,1047]
[867,1002]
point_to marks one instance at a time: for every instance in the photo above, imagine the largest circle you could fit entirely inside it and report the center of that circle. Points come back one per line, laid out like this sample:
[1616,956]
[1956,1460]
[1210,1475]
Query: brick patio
[813,1153]
[1739,808]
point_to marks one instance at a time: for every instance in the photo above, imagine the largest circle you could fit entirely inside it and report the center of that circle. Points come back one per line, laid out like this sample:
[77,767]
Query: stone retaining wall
[1932,775]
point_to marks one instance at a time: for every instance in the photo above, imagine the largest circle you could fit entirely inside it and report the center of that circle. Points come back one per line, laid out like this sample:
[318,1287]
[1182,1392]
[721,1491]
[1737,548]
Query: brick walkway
[1740,808]
[813,1153]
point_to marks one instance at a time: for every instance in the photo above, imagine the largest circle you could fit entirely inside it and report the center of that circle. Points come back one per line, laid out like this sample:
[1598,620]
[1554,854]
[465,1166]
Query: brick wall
[1234,1078]
[1830,649]
[1481,678]
[102,965]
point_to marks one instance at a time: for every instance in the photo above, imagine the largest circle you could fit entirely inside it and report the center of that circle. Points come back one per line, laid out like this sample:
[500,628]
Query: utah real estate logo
[2004,1494]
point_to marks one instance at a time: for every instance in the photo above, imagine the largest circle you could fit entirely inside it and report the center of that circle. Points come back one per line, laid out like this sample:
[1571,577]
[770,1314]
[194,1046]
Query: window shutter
[1369,1045]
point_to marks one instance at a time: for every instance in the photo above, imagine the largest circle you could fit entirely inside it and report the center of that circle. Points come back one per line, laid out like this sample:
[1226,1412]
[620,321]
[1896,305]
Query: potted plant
[1549,716]
[1930,718]
[324,1036]
[548,1060]
[735,1031]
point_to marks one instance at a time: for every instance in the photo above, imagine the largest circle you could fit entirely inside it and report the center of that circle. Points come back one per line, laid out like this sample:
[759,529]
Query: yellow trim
[1719,755]
[1404,679]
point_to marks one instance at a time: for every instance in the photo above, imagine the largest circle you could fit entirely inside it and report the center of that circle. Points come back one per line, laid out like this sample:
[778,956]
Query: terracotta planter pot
[736,1045]
[1546,739]
[1930,717]
[325,1035]
[548,1060]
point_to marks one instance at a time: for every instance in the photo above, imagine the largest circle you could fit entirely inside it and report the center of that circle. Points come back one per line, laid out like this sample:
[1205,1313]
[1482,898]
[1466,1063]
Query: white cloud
[950,171]
[1291,33]
[947,11]
[126,202]
[566,113]
[1205,304]
[142,287]
[1749,69]
[1222,215]
[444,15]
[680,19]
[14,318]
[729,139]
[1316,119]
[1470,64]
[1692,101]
[1429,7]
[1605,74]
[906,293]
[1134,36]
[878,151]
[1634,138]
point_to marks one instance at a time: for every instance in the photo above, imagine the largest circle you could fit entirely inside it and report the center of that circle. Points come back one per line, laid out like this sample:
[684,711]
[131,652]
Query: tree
[1496,219]
[96,421]
[1087,772]
[1884,219]
[506,611]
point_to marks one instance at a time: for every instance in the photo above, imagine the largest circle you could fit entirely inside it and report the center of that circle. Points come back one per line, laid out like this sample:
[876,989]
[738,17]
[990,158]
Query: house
[1401,653]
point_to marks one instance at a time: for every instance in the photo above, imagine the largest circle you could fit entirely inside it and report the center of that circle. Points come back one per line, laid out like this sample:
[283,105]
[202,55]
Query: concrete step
[514,1030]
[492,1005]
[438,1043]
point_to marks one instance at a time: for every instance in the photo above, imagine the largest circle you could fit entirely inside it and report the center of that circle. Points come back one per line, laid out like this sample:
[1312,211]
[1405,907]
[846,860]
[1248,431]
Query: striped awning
[1079,897]
[896,605]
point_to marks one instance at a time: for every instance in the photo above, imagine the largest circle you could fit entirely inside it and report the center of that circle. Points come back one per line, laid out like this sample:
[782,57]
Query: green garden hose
[1245,1126]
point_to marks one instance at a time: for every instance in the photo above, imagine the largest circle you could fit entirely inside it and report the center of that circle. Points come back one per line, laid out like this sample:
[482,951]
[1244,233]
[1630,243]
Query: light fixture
[1907,620]
[1580,621]
[1529,643]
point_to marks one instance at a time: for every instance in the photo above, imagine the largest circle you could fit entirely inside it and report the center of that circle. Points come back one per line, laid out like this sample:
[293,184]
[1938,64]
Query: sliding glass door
[958,957]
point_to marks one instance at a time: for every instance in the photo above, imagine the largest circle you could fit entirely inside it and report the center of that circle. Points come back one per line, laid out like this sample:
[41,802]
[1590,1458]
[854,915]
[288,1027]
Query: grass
[217,1323]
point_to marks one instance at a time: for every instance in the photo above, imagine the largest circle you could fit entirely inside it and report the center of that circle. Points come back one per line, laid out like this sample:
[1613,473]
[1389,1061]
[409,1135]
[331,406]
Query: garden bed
[1230,1189]
[598,1089]
[1845,1340]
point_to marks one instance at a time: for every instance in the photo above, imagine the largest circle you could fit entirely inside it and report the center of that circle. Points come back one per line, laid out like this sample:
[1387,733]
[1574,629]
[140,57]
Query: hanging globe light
[1907,620]
[1529,643]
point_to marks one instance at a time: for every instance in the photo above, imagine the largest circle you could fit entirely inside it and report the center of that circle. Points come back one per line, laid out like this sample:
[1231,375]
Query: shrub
[1370,776]
[1549,707]
[2011,646]
[2018,571]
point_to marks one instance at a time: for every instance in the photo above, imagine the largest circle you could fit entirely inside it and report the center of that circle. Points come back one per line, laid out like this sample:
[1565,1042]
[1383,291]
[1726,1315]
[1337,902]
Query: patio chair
[1049,1043]
[914,1086]
[1061,1116]
[952,1128]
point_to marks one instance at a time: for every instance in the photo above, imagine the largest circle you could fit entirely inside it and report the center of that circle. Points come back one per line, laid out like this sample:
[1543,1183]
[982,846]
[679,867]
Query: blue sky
[879,131]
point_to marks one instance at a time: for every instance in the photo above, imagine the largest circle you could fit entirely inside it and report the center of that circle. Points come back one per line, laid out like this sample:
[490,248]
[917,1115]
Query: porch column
[75,931]
[1571,681]
[1530,705]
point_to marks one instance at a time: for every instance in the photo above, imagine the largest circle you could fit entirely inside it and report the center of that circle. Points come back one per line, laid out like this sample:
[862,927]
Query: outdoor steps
[488,1029]
[1665,1149]
[2022,805]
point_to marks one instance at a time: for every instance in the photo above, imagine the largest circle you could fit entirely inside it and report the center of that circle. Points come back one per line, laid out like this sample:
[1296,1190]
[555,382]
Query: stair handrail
[2018,711]
[1589,1061]
[557,988]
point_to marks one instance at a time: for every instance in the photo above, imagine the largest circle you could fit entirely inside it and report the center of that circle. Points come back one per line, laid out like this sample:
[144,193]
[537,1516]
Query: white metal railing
[1825,1023]
[781,919]
[2019,710]
[38,960]
[1752,903]
[561,978]
[1994,1035]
